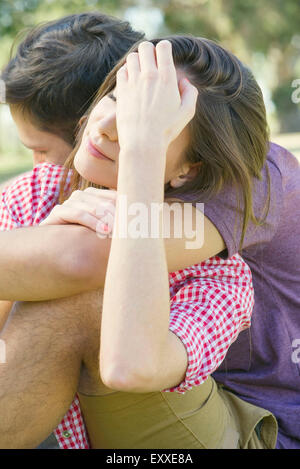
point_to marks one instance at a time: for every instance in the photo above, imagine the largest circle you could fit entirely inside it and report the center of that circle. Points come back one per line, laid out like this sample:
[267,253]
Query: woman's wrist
[150,151]
[141,172]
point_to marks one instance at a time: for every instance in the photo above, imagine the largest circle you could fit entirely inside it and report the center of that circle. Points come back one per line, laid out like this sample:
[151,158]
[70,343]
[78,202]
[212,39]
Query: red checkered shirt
[210,303]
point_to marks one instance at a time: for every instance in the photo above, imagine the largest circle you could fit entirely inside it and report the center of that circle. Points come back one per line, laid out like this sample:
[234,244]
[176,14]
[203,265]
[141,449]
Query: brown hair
[229,132]
[59,66]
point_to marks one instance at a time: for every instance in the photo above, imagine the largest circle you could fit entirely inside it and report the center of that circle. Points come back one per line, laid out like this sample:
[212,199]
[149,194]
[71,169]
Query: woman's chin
[84,168]
[89,173]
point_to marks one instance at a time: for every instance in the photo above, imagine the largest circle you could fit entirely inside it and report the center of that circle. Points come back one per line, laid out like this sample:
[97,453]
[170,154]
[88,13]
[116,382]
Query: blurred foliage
[263,33]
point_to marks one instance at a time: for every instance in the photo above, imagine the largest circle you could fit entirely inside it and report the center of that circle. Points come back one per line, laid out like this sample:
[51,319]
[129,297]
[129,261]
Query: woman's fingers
[104,226]
[165,62]
[133,65]
[93,198]
[150,99]
[147,57]
[87,208]
[149,60]
[87,214]
[101,193]
[121,77]
[62,215]
[189,95]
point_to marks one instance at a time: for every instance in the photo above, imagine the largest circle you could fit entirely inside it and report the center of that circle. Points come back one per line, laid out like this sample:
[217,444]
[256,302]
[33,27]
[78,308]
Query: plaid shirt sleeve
[31,197]
[26,202]
[211,303]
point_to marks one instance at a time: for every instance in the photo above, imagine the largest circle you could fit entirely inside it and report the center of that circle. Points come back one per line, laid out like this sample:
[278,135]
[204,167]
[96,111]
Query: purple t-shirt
[263,365]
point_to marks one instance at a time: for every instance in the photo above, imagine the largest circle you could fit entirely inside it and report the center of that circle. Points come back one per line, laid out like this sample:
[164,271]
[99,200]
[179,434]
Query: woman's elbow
[120,377]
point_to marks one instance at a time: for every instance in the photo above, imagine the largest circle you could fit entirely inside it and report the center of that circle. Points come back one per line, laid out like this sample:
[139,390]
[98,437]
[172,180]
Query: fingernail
[104,227]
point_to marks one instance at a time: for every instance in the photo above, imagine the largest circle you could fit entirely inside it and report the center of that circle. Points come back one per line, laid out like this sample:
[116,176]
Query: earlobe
[183,178]
[178,181]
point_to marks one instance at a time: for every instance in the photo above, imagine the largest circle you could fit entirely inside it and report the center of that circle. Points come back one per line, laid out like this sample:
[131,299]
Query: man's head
[54,75]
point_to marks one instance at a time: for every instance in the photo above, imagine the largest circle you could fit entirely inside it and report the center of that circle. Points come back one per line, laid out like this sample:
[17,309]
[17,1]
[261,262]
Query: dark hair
[59,66]
[229,133]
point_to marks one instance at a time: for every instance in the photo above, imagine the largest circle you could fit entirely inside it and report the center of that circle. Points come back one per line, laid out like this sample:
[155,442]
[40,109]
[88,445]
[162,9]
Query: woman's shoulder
[285,163]
[282,158]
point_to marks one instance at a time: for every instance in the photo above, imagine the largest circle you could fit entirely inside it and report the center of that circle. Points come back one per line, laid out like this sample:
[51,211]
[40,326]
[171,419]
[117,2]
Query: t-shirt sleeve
[222,211]
[208,313]
[31,197]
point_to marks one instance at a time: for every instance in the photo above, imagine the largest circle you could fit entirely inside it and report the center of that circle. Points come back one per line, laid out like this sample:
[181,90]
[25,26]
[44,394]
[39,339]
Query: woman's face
[98,154]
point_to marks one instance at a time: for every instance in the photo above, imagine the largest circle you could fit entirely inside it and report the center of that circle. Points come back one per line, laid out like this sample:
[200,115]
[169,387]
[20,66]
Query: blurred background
[265,34]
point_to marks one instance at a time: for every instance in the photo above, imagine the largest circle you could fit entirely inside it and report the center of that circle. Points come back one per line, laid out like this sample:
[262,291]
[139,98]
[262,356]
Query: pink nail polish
[104,227]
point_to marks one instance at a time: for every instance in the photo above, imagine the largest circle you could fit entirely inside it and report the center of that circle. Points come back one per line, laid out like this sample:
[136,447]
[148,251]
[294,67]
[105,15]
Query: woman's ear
[185,176]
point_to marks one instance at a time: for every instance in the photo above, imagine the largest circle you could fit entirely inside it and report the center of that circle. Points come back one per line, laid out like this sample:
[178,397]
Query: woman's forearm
[136,309]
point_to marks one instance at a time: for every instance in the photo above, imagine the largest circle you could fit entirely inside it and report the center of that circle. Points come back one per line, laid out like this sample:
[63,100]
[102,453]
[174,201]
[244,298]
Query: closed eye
[111,96]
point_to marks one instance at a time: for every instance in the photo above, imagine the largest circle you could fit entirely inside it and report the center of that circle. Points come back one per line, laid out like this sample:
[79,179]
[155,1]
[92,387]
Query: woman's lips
[95,152]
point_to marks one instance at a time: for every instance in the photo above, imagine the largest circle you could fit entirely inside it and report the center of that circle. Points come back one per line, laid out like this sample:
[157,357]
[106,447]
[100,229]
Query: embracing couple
[139,342]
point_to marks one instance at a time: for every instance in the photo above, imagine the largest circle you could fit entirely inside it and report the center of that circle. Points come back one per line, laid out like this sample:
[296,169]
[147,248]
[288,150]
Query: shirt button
[66,434]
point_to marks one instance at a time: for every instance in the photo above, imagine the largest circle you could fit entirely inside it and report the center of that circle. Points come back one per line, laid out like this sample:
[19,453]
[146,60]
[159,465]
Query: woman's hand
[154,104]
[93,208]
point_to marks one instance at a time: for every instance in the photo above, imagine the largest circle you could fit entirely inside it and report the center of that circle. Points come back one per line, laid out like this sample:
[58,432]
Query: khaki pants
[225,421]
[206,417]
[257,427]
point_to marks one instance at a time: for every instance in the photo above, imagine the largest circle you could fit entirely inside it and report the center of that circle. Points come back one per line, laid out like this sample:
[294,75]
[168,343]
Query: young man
[49,84]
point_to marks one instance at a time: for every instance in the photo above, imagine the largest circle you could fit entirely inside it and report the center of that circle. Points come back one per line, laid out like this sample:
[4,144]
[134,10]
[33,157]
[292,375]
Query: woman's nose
[108,126]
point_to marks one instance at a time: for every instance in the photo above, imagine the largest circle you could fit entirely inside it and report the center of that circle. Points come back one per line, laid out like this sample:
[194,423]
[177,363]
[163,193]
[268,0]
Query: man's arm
[48,262]
[41,263]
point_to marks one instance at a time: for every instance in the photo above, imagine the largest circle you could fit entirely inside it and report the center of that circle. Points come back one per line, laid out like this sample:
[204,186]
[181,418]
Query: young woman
[138,140]
[243,371]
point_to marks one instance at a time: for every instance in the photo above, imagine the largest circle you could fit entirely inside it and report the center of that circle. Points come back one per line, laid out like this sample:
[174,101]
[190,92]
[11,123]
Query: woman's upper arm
[200,240]
[179,254]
